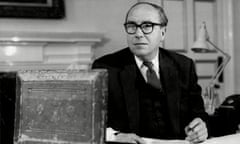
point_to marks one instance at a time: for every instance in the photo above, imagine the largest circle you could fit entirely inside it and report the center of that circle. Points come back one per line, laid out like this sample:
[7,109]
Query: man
[152,92]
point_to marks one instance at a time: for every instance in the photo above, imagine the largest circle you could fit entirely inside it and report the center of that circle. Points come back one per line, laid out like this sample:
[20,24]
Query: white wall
[236,11]
[105,16]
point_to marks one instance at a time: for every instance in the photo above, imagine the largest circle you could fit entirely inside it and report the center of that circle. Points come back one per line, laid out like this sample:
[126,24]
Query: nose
[139,33]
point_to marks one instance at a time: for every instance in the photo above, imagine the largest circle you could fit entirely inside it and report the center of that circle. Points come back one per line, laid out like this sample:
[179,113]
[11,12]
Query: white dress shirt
[143,68]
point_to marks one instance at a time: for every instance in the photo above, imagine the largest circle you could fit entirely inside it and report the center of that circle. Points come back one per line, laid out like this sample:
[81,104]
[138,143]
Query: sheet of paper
[155,141]
[160,141]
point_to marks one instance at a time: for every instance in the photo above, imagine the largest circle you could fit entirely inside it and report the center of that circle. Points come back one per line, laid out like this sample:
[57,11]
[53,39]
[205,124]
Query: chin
[140,54]
[140,49]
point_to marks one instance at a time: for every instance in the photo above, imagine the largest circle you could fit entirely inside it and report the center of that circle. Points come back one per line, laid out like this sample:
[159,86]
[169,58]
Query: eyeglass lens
[146,28]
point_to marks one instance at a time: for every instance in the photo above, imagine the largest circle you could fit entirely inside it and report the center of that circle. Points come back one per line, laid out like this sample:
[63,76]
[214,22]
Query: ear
[163,32]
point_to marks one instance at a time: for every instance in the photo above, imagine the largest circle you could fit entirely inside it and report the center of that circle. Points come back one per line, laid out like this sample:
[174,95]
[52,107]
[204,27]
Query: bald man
[153,92]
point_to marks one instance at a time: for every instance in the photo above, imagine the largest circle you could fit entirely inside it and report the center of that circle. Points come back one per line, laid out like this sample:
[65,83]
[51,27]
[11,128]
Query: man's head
[145,24]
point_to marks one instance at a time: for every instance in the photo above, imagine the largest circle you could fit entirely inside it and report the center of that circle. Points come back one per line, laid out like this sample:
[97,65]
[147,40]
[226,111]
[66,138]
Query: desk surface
[228,139]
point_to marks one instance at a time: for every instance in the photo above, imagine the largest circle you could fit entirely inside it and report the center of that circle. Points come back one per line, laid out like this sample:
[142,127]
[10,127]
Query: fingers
[195,122]
[129,138]
[197,136]
[196,131]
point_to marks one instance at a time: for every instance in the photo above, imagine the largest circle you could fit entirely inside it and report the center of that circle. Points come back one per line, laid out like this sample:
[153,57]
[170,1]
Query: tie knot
[148,64]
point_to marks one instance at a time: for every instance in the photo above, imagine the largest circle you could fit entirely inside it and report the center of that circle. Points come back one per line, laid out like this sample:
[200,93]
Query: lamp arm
[220,70]
[220,67]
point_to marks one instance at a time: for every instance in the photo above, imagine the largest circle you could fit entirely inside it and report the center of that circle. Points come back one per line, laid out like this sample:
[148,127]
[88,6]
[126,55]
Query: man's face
[143,45]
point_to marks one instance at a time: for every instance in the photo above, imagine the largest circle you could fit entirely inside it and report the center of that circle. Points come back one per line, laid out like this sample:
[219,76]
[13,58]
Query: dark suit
[179,80]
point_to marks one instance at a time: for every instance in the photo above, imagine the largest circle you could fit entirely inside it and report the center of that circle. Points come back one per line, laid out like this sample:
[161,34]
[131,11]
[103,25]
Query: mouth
[136,44]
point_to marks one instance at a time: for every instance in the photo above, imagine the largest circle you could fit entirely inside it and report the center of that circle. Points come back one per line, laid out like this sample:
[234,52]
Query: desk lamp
[201,46]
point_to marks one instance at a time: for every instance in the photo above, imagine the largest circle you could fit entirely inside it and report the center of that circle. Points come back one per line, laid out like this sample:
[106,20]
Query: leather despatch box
[60,107]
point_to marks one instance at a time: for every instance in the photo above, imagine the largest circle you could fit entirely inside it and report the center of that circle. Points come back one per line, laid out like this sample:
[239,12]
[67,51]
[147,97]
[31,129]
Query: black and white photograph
[119,72]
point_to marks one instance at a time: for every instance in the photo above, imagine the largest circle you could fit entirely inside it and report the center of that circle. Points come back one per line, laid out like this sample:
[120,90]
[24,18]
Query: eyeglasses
[146,27]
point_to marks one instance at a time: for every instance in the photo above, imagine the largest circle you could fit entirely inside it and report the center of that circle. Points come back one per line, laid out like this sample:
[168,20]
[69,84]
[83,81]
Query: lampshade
[201,44]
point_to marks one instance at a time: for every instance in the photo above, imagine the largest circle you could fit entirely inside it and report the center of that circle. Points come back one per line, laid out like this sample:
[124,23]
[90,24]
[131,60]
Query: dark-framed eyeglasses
[146,27]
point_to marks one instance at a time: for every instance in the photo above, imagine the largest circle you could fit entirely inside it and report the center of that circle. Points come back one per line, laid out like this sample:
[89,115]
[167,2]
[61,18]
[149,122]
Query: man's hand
[196,131]
[129,138]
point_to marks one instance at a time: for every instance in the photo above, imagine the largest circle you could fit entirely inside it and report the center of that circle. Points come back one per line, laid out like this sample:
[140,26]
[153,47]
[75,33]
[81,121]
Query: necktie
[152,78]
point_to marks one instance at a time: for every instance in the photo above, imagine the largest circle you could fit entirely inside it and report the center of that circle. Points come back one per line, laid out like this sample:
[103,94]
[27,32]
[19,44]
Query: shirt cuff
[111,134]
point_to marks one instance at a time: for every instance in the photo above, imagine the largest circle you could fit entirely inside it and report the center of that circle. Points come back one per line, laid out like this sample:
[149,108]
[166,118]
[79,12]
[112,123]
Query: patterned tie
[152,78]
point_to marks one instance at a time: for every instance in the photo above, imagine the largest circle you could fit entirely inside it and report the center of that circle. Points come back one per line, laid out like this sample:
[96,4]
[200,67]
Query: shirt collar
[155,62]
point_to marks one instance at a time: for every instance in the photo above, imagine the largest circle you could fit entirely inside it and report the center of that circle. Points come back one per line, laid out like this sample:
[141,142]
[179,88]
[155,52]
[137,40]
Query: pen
[191,129]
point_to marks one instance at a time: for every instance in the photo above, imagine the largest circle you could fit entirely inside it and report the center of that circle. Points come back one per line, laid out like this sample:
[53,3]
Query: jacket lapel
[128,79]
[169,77]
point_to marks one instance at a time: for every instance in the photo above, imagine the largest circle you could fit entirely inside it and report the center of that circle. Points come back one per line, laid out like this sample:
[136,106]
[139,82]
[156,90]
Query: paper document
[112,138]
[155,141]
[159,141]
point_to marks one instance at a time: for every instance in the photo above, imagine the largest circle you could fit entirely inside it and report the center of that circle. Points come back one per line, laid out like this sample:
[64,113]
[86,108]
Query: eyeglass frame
[141,27]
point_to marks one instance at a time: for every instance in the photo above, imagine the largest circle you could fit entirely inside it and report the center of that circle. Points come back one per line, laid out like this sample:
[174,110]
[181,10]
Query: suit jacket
[179,80]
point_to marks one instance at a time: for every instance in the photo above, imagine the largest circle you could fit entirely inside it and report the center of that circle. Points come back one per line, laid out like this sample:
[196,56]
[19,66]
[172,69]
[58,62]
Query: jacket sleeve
[196,99]
[116,115]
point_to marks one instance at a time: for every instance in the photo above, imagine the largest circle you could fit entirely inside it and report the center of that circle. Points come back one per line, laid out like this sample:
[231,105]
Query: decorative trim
[48,37]
[204,76]
[50,9]
[204,61]
[47,50]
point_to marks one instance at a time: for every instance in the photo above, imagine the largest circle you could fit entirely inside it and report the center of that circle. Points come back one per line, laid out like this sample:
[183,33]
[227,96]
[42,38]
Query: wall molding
[47,50]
